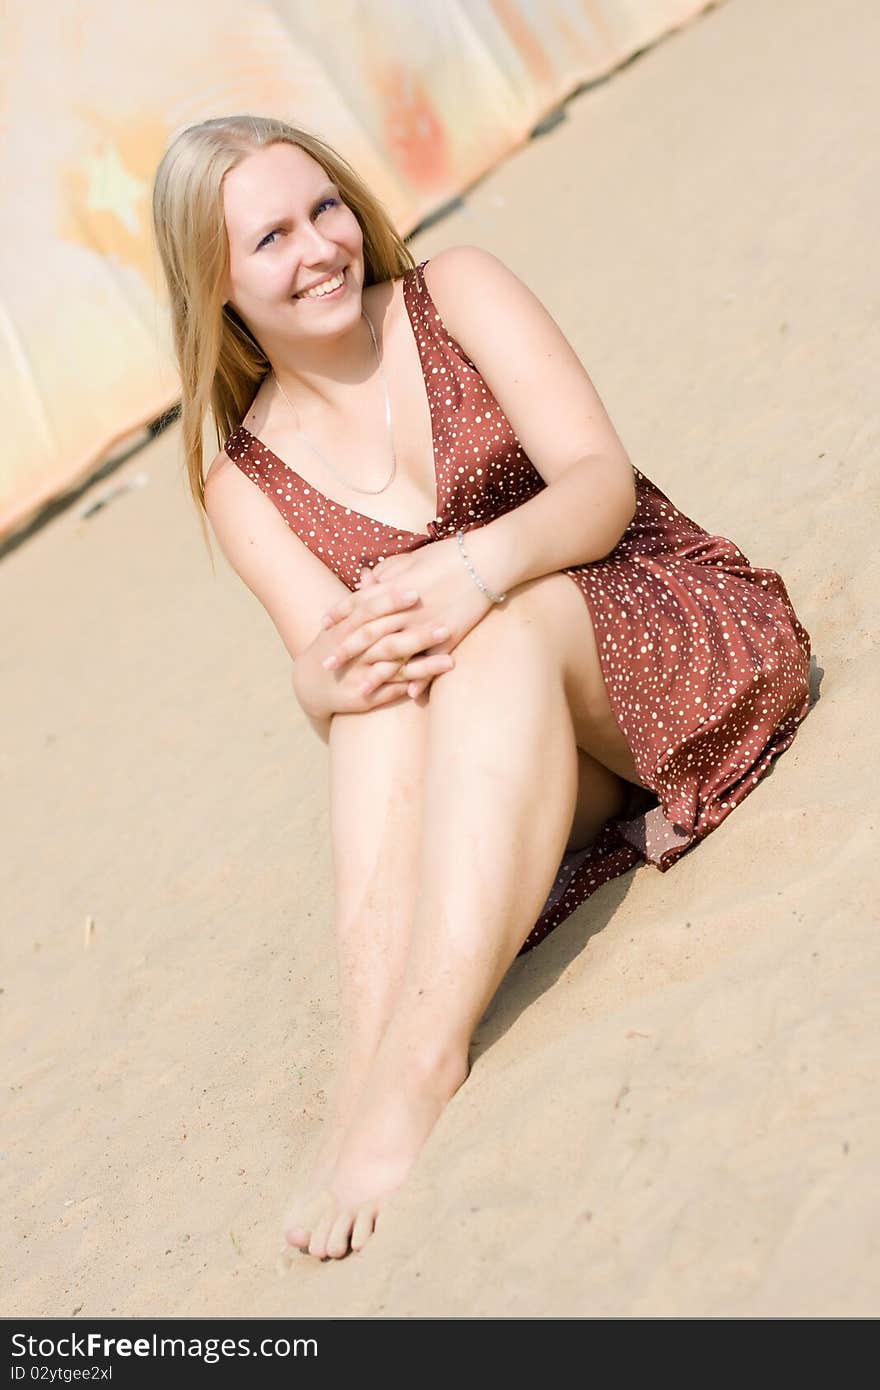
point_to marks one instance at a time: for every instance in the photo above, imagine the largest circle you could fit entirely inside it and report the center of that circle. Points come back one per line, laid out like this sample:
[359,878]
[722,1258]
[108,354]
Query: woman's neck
[320,375]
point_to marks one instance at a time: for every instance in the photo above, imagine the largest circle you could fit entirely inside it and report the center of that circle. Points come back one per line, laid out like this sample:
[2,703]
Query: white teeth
[320,290]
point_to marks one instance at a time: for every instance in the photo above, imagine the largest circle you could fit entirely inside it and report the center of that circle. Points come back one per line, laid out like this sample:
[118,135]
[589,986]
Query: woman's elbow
[625,513]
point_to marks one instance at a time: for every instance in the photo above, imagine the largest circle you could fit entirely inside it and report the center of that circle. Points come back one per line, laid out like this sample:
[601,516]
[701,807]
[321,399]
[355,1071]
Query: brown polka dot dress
[705,661]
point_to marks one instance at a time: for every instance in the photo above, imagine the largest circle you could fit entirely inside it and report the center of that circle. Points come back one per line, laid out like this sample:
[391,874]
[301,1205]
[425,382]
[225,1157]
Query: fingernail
[326,622]
[410,596]
[439,633]
[329,662]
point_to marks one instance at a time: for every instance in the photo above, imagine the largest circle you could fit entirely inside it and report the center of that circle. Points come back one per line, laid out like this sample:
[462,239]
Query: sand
[668,1112]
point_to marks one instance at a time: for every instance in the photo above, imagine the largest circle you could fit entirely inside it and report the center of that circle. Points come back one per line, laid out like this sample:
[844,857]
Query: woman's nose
[316,245]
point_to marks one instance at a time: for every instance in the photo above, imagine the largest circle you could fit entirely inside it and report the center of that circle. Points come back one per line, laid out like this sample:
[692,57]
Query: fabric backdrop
[420,98]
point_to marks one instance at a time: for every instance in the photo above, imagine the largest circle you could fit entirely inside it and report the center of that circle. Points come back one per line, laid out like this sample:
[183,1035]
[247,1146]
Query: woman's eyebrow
[275,221]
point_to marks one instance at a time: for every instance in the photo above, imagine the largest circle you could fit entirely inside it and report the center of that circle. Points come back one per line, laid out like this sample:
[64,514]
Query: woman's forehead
[274,172]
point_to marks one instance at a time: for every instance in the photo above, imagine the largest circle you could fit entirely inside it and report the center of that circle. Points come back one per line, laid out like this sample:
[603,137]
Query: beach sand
[668,1112]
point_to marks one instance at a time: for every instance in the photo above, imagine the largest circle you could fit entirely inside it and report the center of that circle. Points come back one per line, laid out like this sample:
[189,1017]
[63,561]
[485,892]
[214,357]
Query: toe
[363,1227]
[320,1234]
[338,1240]
[303,1218]
[297,1236]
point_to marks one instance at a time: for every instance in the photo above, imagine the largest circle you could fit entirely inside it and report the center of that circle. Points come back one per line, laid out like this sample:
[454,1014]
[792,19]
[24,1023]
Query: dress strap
[429,316]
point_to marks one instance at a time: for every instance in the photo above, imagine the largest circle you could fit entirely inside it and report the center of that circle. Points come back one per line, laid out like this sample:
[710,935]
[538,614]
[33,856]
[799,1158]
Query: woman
[416,464]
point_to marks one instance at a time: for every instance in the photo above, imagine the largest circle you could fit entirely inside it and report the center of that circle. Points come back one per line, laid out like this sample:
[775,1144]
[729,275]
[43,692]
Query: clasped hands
[395,633]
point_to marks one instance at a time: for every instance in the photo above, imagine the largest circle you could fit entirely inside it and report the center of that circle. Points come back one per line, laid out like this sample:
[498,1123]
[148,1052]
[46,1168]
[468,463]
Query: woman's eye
[325,203]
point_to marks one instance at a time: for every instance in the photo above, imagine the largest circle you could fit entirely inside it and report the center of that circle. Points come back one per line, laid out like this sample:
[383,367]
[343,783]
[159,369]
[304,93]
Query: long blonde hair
[221,363]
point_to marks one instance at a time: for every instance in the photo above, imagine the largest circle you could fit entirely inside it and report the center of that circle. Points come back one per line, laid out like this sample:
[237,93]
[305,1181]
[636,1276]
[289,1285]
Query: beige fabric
[421,99]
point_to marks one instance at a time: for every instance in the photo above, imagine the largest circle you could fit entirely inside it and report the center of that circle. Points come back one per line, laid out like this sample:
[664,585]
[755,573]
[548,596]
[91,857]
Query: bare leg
[500,792]
[601,796]
[376,774]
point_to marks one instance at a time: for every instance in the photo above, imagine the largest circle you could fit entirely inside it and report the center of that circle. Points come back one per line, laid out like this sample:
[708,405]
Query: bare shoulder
[241,518]
[293,585]
[525,359]
[239,513]
[490,312]
[462,280]
[456,262]
[227,491]
[219,467]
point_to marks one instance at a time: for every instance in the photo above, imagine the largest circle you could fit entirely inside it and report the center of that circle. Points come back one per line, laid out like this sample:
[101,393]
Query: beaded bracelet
[496,598]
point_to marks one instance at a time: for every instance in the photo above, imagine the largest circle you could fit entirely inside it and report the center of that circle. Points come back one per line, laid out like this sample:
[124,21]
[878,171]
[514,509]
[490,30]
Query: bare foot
[395,1117]
[319,1168]
[321,1162]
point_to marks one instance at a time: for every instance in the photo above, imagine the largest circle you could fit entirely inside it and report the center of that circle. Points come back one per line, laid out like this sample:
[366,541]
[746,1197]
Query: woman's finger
[381,673]
[397,673]
[392,690]
[433,665]
[345,606]
[340,610]
[401,644]
[385,617]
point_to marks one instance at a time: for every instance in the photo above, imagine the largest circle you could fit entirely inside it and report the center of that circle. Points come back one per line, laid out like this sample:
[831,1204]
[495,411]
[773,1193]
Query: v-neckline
[374,521]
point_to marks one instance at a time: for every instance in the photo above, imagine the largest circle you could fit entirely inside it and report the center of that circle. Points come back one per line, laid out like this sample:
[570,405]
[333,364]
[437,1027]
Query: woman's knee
[525,629]
[401,721]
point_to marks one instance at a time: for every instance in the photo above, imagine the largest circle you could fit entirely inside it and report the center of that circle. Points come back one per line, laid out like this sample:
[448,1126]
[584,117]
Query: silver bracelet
[496,598]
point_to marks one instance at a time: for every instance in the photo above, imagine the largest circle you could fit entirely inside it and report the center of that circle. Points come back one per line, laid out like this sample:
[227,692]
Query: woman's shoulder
[480,299]
[462,259]
[225,468]
[448,271]
[223,482]
[224,463]
[459,267]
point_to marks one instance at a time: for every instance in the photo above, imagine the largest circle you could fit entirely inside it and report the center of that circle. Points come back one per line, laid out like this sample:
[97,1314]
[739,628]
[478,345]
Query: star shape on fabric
[112,188]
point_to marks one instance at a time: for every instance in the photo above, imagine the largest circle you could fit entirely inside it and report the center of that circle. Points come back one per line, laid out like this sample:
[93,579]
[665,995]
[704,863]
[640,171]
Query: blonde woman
[531,670]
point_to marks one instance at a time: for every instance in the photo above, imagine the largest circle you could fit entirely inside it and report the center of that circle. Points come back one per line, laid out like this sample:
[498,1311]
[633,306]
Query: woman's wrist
[483,553]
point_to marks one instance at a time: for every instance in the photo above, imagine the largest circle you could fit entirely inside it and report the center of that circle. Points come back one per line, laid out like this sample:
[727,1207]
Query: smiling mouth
[318,293]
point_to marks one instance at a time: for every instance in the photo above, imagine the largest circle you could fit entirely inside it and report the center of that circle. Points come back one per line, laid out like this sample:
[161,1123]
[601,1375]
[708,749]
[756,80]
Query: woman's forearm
[576,519]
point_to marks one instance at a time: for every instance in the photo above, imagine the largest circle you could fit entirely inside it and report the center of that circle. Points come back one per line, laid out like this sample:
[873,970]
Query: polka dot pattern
[705,661]
[480,468]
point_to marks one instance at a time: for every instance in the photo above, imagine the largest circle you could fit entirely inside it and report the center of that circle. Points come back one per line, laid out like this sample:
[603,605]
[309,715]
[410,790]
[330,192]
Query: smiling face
[289,230]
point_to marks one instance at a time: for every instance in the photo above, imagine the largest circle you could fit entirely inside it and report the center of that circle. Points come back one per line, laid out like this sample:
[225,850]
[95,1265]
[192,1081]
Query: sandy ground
[668,1111]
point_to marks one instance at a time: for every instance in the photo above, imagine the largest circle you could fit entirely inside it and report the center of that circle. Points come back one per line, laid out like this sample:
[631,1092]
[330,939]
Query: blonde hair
[221,364]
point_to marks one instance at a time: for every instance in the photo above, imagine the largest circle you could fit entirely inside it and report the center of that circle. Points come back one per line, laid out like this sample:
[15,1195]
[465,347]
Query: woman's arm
[321,726]
[312,690]
[556,415]
[291,583]
[294,586]
[279,569]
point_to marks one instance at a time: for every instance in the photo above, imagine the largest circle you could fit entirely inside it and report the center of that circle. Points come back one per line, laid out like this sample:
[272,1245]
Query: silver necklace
[314,448]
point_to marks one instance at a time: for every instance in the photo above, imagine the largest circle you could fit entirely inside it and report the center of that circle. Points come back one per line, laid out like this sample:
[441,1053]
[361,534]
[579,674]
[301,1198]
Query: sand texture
[669,1110]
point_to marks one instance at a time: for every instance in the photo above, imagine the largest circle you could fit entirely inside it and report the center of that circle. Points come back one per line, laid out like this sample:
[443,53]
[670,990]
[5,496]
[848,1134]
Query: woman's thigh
[556,602]
[377,759]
